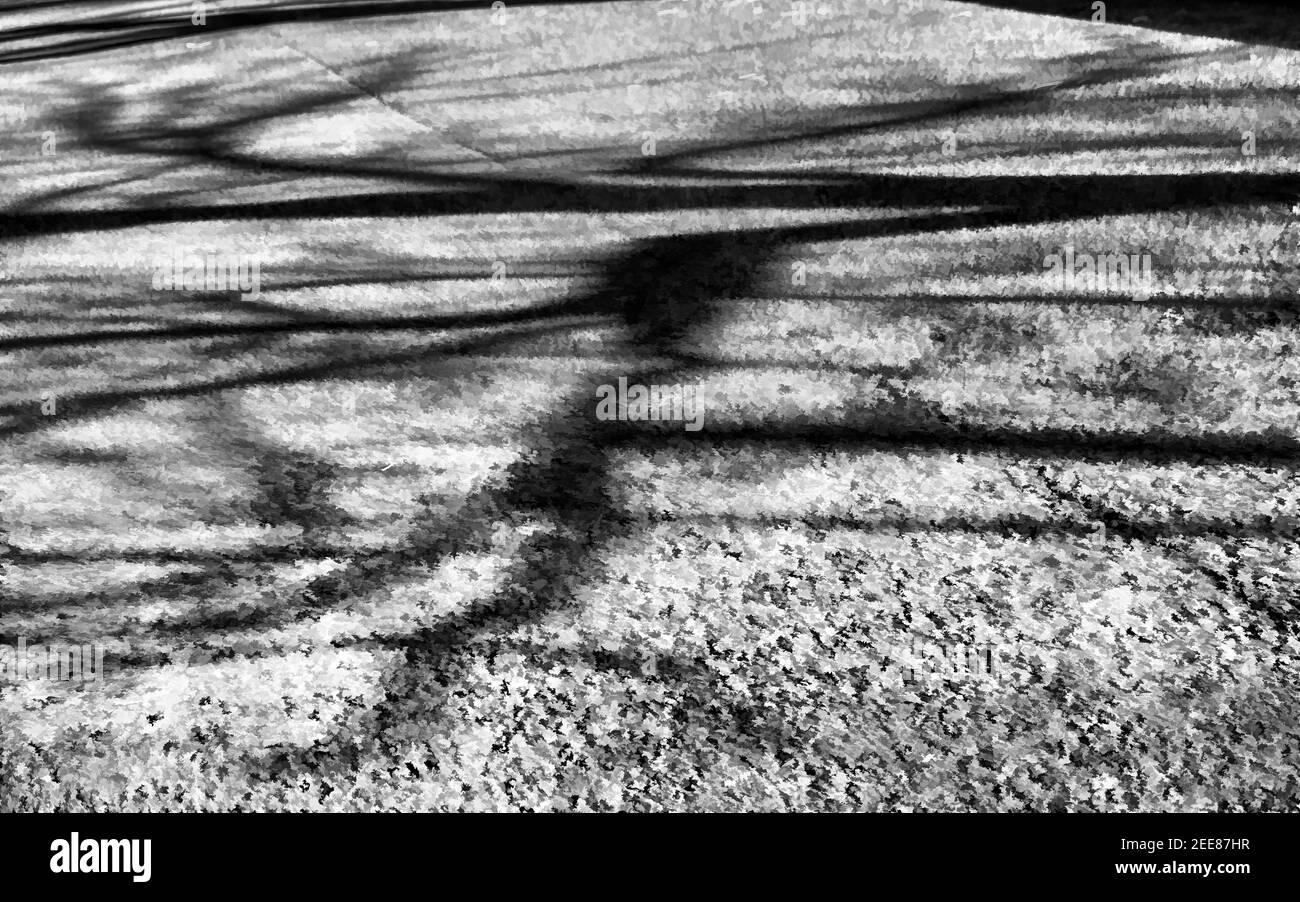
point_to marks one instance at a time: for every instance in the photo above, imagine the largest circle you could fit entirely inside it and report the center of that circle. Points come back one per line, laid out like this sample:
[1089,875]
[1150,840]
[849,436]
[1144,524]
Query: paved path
[357,538]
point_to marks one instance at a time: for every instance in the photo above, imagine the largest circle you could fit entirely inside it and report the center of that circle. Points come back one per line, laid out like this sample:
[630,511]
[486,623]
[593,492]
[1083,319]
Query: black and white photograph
[873,407]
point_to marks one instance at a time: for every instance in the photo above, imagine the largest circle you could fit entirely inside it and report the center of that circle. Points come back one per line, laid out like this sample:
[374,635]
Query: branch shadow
[660,291]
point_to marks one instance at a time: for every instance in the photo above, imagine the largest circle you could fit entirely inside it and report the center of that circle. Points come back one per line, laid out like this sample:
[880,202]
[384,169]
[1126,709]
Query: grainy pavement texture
[981,493]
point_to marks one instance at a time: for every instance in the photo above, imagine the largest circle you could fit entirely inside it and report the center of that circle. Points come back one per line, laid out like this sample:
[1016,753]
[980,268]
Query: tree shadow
[660,291]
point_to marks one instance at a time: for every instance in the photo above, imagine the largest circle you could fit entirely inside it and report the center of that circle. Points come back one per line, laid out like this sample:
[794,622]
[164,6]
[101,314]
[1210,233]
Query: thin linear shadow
[115,32]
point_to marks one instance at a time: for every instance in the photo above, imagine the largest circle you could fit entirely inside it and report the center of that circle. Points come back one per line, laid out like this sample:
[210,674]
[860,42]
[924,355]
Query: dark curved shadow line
[133,31]
[1036,198]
